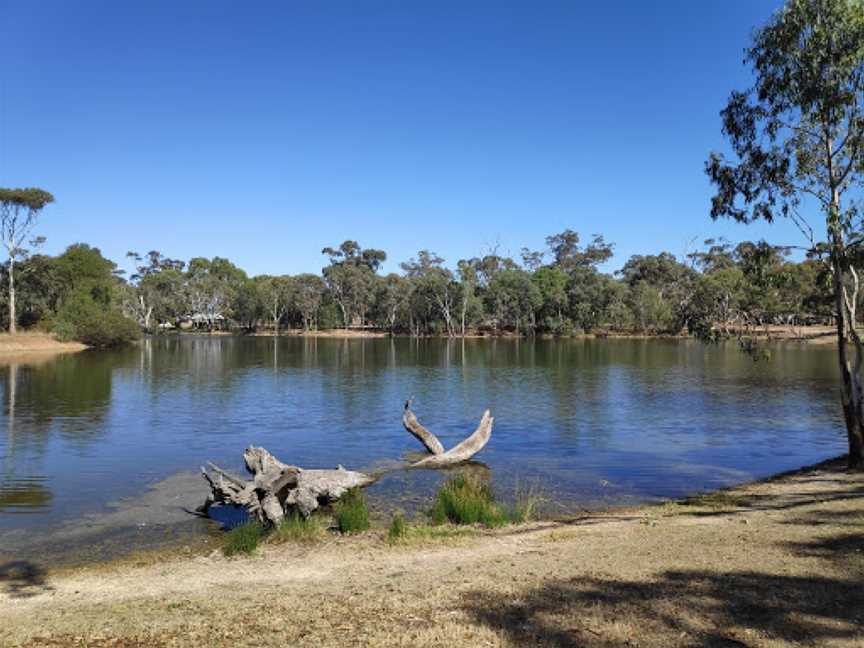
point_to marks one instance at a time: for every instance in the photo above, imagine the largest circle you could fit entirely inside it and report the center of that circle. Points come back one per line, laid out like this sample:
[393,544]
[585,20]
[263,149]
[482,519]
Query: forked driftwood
[424,436]
[277,488]
[463,451]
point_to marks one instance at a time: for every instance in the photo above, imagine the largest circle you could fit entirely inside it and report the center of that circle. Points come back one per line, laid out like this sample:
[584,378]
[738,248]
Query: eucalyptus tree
[514,299]
[437,285]
[797,139]
[308,294]
[211,288]
[19,211]
[351,278]
[568,254]
[154,287]
[392,299]
[471,306]
[277,296]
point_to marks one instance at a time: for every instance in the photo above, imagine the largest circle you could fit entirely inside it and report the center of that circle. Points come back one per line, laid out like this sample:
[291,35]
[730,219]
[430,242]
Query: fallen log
[277,488]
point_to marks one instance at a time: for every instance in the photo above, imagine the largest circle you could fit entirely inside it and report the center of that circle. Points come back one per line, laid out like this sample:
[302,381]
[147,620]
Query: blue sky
[265,131]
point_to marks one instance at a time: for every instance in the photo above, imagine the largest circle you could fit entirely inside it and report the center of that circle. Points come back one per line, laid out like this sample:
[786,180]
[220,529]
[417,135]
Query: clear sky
[264,131]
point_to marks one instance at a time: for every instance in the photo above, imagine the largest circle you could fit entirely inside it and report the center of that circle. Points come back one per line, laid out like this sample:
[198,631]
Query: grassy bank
[776,563]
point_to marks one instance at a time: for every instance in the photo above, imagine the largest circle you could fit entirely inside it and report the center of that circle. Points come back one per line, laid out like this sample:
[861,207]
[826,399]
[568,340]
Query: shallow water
[590,421]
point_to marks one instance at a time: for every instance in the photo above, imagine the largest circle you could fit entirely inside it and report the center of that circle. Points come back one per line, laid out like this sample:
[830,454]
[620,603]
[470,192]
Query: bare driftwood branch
[423,435]
[465,450]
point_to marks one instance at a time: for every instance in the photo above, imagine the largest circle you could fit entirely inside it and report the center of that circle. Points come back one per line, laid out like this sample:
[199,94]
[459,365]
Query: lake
[590,422]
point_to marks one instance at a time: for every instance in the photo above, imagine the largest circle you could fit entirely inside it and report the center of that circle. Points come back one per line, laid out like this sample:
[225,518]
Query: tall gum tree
[19,210]
[798,141]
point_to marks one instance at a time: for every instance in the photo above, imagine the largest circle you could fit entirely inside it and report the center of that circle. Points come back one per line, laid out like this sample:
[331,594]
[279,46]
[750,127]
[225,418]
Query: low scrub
[467,500]
[352,512]
[244,539]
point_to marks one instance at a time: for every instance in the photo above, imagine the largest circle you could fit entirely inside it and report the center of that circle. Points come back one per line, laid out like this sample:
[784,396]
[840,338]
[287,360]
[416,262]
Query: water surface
[591,421]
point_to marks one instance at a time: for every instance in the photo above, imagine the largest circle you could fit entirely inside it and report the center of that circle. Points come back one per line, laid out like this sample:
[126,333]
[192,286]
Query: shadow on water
[22,579]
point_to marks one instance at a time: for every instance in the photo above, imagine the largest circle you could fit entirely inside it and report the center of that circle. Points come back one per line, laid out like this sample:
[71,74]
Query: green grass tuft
[296,528]
[398,530]
[467,500]
[352,512]
[243,539]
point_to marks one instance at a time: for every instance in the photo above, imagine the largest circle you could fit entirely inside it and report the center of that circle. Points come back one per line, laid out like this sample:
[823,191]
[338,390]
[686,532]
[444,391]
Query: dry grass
[24,346]
[783,568]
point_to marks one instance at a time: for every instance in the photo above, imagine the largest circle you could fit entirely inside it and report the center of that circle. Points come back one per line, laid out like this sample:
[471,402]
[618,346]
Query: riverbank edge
[771,564]
[210,543]
[34,342]
[809,335]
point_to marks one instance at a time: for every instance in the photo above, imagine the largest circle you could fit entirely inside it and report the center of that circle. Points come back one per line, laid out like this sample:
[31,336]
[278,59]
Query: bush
[352,512]
[243,539]
[398,530]
[467,500]
[84,319]
[296,528]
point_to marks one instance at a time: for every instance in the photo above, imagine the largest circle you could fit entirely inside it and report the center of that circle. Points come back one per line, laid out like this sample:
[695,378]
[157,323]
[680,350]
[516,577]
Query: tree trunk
[13,316]
[852,396]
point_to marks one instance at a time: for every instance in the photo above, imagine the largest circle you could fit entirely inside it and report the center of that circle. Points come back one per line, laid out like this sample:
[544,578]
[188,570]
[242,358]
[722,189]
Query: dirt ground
[778,563]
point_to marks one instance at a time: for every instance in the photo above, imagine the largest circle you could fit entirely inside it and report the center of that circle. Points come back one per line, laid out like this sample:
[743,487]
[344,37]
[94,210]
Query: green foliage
[85,319]
[352,512]
[30,198]
[398,530]
[243,539]
[298,529]
[464,499]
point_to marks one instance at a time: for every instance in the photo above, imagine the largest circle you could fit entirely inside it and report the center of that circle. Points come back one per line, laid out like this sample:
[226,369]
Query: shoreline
[815,335]
[767,563]
[40,345]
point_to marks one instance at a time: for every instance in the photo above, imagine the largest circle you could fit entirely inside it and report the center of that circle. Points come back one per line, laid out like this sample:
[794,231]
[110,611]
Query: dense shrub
[96,324]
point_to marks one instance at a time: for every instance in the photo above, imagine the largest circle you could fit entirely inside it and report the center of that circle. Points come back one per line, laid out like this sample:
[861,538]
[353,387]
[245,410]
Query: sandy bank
[22,346]
[778,563]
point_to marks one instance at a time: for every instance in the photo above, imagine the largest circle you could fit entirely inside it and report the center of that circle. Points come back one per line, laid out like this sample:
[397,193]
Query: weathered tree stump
[277,488]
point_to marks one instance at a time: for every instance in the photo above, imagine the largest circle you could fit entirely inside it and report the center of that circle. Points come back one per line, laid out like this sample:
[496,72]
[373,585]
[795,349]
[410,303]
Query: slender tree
[798,141]
[19,210]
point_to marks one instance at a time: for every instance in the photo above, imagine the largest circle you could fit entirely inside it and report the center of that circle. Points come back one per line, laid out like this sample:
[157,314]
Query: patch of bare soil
[779,563]
[24,346]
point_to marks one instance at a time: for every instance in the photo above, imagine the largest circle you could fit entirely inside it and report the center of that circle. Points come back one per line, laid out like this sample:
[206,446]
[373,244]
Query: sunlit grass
[296,528]
[467,500]
[352,512]
[243,539]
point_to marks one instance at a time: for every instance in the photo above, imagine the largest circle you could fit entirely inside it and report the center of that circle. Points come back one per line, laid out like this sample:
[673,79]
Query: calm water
[591,421]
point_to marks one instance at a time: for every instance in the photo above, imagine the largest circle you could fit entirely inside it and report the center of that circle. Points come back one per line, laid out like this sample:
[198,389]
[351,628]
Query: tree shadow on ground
[22,579]
[676,608]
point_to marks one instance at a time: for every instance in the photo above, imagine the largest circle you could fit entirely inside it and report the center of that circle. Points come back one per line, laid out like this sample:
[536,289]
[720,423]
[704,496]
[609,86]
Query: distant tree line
[558,291]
